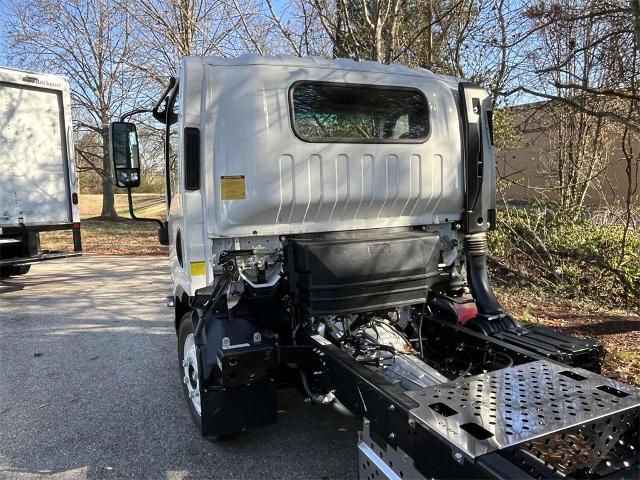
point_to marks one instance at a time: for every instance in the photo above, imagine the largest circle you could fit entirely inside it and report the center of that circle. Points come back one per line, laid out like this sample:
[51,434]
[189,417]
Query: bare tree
[424,33]
[268,27]
[163,32]
[360,29]
[168,30]
[631,140]
[589,32]
[589,72]
[635,7]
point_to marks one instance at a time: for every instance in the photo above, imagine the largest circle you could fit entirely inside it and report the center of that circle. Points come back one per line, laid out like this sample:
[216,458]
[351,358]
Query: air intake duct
[478,276]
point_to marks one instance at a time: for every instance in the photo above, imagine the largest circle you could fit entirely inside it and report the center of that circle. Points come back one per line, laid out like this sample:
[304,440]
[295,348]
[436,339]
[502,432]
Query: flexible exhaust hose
[478,276]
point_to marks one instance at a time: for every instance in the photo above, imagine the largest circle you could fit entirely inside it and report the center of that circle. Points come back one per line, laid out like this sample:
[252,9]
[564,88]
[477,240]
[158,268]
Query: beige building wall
[531,169]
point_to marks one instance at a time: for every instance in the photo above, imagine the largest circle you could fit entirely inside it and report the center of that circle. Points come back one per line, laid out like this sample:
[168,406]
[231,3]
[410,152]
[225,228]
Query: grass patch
[114,237]
[144,205]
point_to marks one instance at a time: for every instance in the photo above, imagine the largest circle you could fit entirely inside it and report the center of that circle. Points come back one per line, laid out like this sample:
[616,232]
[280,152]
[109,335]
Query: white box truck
[328,231]
[38,181]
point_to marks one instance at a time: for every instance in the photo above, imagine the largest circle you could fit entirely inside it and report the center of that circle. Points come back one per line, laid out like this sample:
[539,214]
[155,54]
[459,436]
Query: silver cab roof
[344,64]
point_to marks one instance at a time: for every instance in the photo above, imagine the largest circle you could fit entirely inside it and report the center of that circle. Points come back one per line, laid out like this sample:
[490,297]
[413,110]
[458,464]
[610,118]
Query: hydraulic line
[314,397]
[505,356]
[216,294]
[467,370]
[424,305]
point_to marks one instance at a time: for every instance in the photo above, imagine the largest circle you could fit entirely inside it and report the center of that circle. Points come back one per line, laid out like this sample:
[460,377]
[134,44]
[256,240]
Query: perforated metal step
[505,408]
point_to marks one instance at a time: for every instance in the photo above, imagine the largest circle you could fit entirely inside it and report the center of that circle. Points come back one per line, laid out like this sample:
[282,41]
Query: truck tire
[13,271]
[21,270]
[189,368]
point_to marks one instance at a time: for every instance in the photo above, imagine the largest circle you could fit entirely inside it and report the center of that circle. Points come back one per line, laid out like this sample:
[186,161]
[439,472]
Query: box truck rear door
[34,177]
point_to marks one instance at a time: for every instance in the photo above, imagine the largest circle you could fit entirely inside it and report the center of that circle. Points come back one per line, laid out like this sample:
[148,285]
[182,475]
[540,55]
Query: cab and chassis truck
[38,181]
[328,230]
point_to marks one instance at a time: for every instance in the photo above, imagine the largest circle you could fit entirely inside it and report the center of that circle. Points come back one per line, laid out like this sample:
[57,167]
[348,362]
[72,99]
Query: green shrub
[572,255]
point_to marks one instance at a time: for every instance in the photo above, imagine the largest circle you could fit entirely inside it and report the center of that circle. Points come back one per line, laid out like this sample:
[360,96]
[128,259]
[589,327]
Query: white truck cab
[276,156]
[327,231]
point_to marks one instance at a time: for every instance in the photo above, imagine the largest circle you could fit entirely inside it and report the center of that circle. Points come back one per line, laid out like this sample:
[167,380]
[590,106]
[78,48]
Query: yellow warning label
[197,268]
[233,187]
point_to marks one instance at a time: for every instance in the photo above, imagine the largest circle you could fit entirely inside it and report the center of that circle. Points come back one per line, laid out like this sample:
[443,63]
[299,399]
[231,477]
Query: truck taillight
[74,198]
[76,225]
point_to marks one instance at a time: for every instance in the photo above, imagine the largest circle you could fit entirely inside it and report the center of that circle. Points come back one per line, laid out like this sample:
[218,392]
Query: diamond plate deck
[501,409]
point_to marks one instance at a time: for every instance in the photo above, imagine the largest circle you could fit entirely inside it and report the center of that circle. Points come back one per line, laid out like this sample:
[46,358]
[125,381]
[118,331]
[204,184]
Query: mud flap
[236,391]
[234,409]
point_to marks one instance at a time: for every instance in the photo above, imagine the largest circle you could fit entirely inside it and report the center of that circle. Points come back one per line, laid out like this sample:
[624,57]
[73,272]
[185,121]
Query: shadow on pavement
[89,388]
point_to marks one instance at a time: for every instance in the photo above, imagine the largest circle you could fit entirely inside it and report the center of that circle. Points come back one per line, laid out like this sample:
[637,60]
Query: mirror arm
[170,119]
[140,219]
[124,116]
[167,117]
[162,116]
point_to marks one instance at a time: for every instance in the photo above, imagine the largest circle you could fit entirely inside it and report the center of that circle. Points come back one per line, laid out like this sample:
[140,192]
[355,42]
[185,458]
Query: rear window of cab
[336,112]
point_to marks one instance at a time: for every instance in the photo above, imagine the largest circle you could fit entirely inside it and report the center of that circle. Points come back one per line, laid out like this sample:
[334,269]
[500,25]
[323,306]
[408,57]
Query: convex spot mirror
[125,154]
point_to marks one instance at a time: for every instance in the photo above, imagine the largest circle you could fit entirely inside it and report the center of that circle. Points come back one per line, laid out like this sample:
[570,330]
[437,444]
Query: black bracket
[474,208]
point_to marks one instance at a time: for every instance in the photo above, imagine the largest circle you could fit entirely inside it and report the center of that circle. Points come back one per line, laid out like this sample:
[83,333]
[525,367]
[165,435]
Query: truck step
[581,415]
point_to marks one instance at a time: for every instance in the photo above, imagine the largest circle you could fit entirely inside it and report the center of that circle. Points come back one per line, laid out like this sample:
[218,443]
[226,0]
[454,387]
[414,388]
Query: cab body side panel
[187,239]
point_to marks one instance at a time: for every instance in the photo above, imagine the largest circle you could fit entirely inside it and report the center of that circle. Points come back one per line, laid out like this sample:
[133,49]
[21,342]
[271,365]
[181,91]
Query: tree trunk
[108,201]
[635,8]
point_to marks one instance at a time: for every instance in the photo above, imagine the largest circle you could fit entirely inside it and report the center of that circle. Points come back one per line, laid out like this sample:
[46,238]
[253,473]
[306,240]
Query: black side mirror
[125,154]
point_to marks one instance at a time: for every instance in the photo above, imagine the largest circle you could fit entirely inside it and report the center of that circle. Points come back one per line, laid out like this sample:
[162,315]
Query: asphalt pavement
[89,387]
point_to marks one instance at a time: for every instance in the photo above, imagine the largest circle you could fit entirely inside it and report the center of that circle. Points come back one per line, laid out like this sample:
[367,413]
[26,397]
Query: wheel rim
[190,371]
